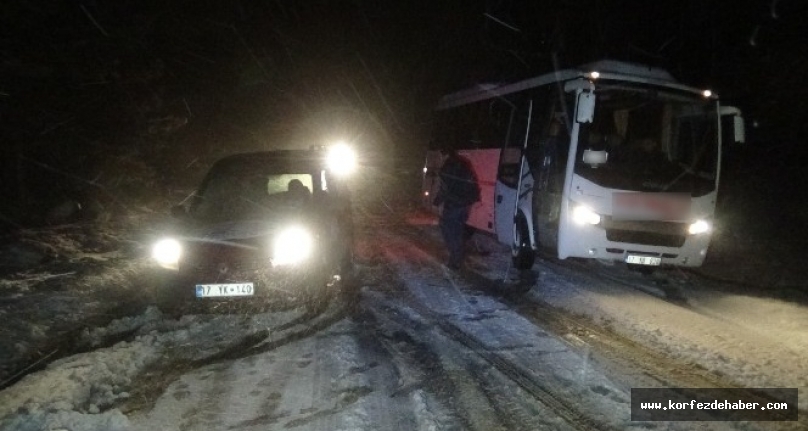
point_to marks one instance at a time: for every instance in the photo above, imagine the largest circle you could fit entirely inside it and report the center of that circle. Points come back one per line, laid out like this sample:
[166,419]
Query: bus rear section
[484,163]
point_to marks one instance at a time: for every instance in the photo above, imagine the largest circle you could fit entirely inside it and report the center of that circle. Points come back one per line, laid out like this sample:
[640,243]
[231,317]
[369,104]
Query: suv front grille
[213,257]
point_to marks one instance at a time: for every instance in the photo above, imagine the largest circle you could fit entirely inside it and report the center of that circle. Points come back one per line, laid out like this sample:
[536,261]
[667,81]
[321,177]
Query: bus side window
[553,148]
[512,140]
[508,172]
[548,153]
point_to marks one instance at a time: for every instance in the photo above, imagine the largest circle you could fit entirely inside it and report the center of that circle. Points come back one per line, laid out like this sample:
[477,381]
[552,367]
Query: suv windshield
[237,195]
[653,141]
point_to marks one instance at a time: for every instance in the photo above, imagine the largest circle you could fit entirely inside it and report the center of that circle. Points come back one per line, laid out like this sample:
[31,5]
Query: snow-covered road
[422,348]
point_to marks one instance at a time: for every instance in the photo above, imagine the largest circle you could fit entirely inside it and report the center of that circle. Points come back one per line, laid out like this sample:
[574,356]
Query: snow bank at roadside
[38,420]
[752,341]
[78,393]
[704,336]
[87,383]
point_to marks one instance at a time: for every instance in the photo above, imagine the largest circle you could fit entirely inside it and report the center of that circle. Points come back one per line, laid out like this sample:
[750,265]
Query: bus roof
[608,70]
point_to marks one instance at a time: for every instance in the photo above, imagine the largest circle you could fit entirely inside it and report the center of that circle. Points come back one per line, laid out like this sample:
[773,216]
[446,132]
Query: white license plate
[221,290]
[644,260]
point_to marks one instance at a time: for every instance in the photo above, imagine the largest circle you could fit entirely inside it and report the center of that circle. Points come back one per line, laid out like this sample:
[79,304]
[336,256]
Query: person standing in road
[458,191]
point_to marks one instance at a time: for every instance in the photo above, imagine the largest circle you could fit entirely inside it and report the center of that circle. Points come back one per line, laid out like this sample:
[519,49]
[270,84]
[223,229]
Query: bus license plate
[644,260]
[223,290]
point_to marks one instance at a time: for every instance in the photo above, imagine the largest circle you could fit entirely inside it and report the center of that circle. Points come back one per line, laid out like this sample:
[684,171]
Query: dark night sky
[167,78]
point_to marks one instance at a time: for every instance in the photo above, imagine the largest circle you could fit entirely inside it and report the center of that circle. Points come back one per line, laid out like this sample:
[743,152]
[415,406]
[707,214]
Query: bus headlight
[292,246]
[584,215]
[698,227]
[167,252]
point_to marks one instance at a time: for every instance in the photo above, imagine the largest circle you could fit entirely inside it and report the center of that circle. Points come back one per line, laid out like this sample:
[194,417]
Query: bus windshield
[644,139]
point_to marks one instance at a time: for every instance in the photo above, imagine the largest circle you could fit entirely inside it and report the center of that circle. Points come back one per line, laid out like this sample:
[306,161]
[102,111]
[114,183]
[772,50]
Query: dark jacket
[458,186]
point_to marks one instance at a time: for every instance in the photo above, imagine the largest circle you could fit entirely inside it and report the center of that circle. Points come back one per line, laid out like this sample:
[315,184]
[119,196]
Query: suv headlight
[292,245]
[167,252]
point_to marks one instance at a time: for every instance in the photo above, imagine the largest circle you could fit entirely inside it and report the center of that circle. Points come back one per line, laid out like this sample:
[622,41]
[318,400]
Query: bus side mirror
[739,129]
[738,126]
[585,111]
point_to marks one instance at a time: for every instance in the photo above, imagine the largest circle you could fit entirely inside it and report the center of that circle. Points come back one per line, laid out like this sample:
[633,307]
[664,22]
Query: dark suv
[272,224]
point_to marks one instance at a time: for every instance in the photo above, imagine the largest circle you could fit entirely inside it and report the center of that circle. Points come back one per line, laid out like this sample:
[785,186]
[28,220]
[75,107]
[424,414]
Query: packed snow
[395,365]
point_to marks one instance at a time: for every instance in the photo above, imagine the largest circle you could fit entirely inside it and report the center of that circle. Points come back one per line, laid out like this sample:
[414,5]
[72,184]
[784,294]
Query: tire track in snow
[449,295]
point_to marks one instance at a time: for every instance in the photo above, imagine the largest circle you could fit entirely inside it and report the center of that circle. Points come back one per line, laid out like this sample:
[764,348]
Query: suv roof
[296,159]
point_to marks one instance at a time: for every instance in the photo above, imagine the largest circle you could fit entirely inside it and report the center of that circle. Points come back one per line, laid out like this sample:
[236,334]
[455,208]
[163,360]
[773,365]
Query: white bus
[611,160]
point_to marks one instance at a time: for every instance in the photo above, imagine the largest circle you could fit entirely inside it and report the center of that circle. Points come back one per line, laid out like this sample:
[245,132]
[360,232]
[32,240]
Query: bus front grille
[663,234]
[645,238]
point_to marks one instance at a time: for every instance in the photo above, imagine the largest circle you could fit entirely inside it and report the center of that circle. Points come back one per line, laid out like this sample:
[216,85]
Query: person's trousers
[452,227]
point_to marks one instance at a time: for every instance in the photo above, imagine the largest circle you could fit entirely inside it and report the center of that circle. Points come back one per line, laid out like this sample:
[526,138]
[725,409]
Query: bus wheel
[522,253]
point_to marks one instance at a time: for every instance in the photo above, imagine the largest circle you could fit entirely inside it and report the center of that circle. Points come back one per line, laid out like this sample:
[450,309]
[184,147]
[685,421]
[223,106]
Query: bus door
[505,193]
[509,175]
[549,159]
